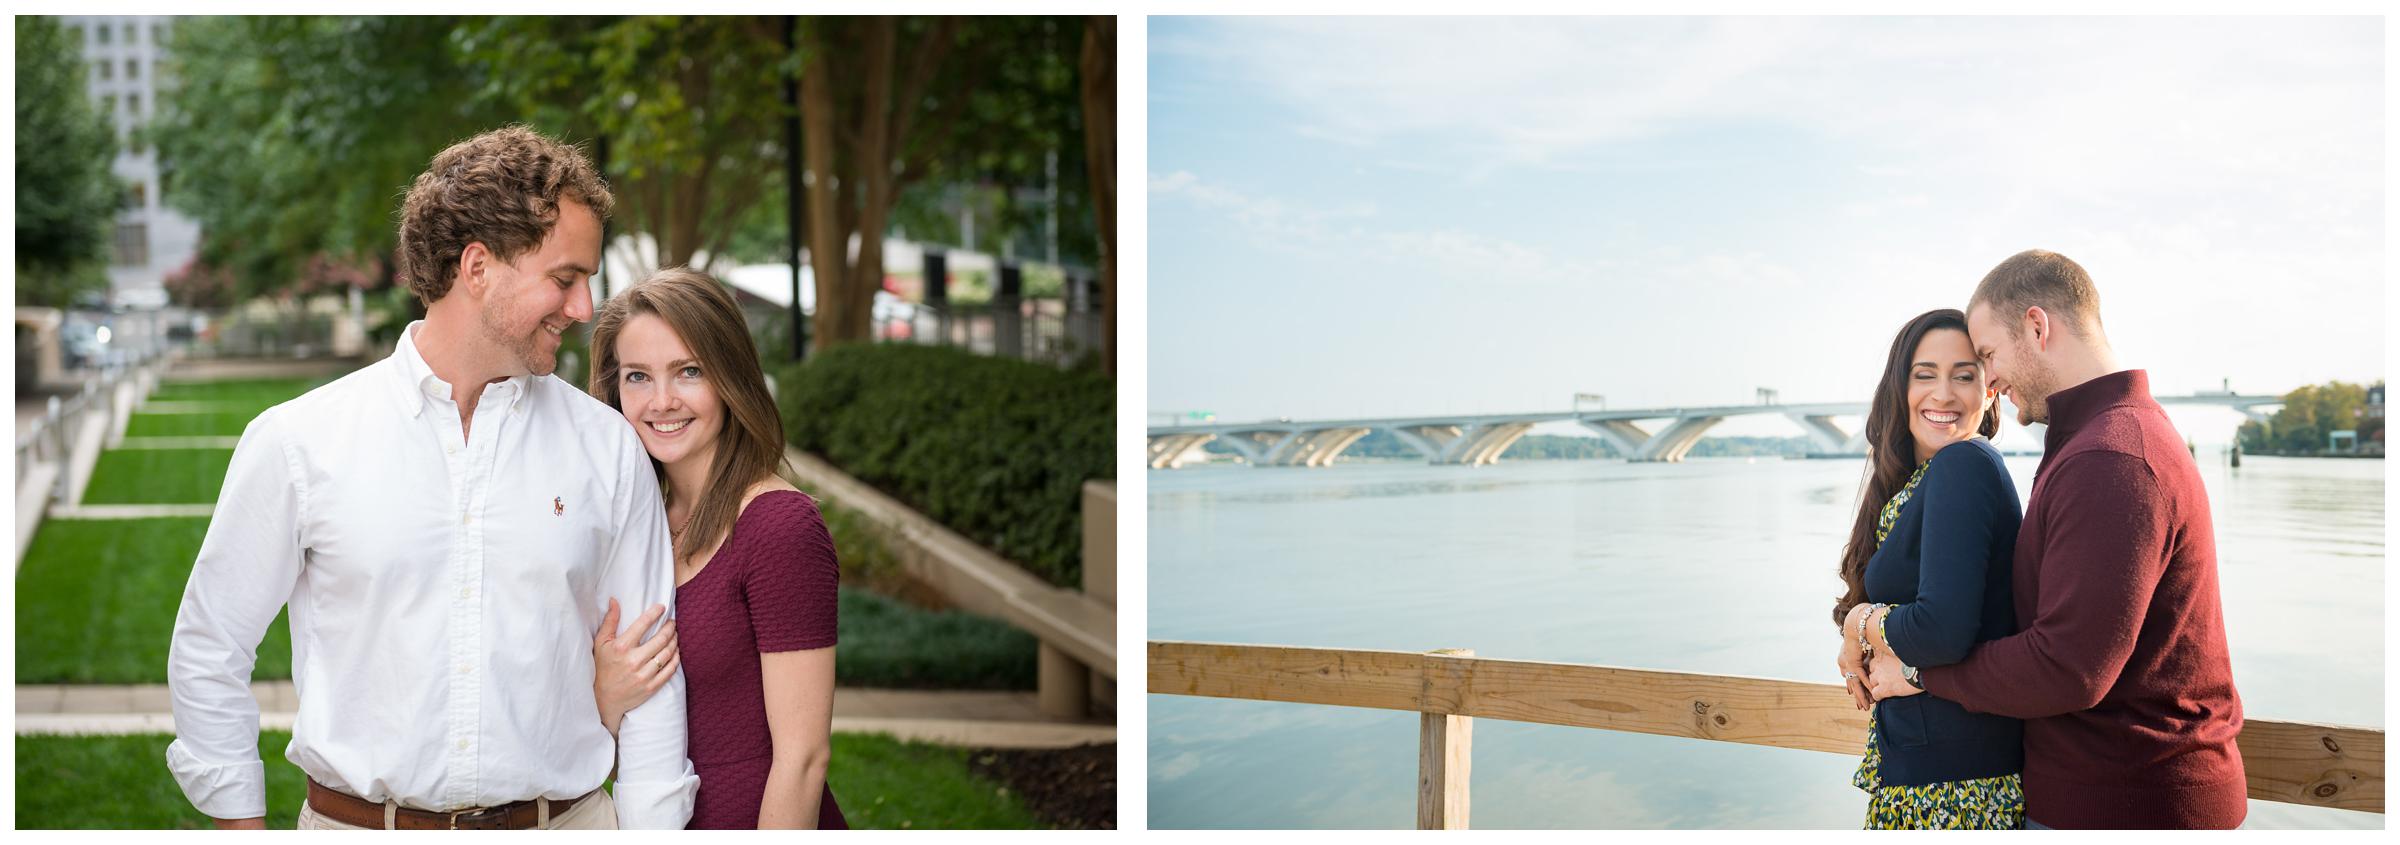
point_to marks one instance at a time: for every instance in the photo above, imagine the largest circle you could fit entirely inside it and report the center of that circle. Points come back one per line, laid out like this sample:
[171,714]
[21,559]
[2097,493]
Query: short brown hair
[703,313]
[2042,278]
[501,189]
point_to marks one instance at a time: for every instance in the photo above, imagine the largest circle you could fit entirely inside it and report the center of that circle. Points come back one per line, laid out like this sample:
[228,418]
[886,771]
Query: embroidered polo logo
[558,506]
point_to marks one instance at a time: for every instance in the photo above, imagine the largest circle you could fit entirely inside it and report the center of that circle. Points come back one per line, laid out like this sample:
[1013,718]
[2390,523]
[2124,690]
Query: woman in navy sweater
[1927,576]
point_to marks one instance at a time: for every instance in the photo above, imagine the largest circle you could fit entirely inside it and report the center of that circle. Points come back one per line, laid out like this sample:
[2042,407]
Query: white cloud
[2089,106]
[1298,226]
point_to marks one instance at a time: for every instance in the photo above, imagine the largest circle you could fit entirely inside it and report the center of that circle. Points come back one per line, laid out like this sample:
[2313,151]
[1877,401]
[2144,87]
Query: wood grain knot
[2326,790]
[2330,744]
[1722,721]
[1700,708]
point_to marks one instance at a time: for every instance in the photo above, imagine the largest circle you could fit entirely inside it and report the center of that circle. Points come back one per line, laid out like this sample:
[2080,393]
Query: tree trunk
[1100,157]
[828,236]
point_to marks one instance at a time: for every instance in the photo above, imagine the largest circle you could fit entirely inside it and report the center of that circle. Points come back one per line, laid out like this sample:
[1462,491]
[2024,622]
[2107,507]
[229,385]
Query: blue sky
[1368,217]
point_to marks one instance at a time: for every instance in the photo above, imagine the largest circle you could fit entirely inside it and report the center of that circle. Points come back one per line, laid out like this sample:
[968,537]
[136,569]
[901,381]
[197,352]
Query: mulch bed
[1070,788]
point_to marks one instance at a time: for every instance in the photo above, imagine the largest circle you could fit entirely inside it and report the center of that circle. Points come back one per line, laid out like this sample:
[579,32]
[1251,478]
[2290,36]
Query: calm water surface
[1721,566]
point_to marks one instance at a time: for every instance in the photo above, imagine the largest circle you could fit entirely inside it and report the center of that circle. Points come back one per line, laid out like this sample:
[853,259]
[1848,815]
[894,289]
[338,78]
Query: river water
[1711,565]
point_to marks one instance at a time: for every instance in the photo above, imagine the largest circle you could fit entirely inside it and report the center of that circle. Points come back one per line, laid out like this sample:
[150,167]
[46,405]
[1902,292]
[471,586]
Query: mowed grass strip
[96,602]
[122,782]
[158,477]
[888,784]
[213,424]
[262,392]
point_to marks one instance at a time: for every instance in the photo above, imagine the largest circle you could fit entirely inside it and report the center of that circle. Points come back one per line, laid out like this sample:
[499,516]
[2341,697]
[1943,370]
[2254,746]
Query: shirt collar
[424,386]
[2071,408]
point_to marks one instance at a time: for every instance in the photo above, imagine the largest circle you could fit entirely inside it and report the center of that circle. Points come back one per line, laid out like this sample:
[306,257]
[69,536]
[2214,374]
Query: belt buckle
[488,818]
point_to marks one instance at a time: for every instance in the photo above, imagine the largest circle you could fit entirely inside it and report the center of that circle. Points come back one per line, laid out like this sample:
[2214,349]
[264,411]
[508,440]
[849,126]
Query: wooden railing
[2293,762]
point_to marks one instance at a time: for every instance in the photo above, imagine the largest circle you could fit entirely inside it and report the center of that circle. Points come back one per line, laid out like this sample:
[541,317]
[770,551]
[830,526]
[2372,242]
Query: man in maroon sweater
[2119,666]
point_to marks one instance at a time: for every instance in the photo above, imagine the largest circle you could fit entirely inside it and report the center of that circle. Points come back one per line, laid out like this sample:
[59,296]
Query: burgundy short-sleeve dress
[770,587]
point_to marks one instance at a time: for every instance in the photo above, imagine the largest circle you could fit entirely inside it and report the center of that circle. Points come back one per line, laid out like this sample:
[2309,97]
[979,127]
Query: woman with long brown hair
[1926,574]
[755,572]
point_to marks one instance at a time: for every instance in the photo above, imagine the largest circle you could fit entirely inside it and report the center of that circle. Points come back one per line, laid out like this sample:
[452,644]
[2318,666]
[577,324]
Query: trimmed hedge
[996,449]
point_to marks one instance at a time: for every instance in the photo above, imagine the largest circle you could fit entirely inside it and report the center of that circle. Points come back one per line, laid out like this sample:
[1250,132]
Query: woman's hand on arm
[799,693]
[626,672]
[1848,659]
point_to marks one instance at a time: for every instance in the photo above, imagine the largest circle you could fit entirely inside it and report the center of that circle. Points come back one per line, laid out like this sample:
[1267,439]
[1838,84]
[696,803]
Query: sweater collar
[2073,407]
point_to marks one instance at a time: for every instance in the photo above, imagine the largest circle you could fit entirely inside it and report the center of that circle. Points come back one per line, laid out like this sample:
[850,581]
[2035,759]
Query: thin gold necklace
[677,534]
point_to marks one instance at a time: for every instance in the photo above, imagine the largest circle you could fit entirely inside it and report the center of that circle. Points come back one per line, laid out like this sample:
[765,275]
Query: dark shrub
[997,450]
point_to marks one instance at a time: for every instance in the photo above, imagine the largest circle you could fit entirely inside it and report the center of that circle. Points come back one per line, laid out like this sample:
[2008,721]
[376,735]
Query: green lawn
[96,602]
[73,627]
[158,476]
[215,424]
[122,782]
[262,392]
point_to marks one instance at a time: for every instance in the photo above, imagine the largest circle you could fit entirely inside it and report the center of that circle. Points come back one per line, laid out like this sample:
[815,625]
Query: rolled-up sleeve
[655,782]
[248,565]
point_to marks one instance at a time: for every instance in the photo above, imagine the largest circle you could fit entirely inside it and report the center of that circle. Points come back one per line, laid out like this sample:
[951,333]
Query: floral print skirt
[1977,804]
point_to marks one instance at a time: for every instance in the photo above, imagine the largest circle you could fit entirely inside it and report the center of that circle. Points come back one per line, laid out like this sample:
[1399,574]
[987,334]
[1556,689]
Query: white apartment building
[124,57]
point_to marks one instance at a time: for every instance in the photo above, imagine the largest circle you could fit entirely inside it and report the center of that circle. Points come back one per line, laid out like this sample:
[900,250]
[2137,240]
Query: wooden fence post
[1445,746]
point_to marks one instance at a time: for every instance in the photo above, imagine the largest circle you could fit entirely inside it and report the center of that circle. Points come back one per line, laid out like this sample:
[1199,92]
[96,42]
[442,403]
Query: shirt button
[462,745]
[466,593]
[464,668]
[449,450]
[465,518]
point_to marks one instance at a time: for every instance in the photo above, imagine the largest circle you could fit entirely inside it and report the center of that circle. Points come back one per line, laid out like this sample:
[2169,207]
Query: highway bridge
[1479,440]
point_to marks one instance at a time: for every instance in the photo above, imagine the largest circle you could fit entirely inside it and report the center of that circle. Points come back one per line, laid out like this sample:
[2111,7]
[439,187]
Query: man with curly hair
[447,526]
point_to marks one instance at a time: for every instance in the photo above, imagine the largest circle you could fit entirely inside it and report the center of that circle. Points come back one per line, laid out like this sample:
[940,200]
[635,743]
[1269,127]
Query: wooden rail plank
[1389,680]
[2314,764]
[2292,762]
[1445,751]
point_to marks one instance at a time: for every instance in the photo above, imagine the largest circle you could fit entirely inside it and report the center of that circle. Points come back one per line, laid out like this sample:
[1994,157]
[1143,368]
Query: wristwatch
[1909,674]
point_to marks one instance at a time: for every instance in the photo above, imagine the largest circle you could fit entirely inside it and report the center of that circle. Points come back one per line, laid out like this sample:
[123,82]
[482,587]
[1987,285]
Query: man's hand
[1884,679]
[259,823]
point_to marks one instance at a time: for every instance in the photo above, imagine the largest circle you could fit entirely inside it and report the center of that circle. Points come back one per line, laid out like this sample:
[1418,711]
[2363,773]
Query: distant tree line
[2309,416]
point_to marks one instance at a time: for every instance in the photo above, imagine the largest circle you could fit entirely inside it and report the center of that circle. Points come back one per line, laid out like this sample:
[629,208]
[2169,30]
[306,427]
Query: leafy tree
[295,137]
[1100,156]
[66,197]
[887,103]
[2308,416]
[291,139]
[691,108]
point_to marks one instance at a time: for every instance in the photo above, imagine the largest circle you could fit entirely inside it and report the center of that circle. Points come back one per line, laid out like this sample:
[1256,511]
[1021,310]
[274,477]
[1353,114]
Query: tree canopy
[67,198]
[2309,414]
[294,138]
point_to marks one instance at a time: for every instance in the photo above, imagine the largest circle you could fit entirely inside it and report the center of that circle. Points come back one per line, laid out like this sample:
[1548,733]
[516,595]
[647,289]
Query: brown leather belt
[359,812]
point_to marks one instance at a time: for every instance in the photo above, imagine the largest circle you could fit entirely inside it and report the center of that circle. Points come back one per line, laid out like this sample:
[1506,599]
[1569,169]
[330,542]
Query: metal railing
[53,438]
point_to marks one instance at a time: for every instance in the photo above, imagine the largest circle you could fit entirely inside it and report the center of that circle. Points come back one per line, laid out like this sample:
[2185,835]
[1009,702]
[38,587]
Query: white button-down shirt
[443,593]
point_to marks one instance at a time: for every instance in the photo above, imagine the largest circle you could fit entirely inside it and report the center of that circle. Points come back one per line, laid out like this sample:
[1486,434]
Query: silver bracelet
[1866,650]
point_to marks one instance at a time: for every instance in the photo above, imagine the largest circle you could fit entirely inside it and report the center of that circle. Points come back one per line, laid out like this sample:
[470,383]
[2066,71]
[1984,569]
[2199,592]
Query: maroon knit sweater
[2119,665]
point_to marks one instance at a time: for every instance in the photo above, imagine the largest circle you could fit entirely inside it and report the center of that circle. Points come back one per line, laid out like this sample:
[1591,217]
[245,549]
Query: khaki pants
[598,812]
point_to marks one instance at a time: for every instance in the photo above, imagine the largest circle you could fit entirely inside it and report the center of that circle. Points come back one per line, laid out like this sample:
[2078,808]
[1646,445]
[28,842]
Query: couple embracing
[457,531]
[2060,667]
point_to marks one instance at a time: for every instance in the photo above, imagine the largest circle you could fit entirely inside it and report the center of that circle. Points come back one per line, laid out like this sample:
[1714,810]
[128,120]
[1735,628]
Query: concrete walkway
[179,443]
[970,718]
[231,369]
[128,511]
